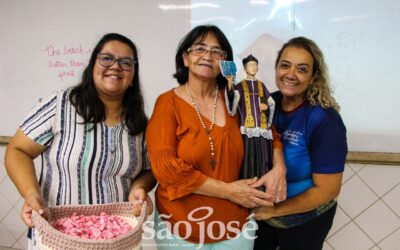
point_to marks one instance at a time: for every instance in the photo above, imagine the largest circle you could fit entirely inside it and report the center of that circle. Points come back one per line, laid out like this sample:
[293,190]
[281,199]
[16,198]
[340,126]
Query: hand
[263,106]
[275,184]
[138,196]
[32,203]
[263,213]
[241,192]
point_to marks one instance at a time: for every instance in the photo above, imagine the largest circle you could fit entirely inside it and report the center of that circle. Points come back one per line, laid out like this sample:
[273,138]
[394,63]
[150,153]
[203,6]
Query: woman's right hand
[32,203]
[241,192]
[138,196]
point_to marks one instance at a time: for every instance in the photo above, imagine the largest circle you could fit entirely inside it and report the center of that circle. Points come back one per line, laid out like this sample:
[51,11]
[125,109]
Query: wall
[45,45]
[358,38]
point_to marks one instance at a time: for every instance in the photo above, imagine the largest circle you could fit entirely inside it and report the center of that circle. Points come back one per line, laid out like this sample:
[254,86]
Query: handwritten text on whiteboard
[67,61]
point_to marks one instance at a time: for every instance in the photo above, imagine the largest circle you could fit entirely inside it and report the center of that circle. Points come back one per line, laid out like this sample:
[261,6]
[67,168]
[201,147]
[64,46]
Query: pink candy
[102,227]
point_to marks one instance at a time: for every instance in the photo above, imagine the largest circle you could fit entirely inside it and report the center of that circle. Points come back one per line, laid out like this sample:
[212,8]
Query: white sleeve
[234,104]
[271,106]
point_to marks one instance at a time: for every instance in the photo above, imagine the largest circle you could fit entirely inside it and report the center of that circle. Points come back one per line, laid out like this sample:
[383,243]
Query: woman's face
[293,74]
[112,81]
[205,65]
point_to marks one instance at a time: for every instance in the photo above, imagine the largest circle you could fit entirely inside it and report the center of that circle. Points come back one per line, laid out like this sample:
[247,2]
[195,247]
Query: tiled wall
[369,209]
[368,216]
[12,229]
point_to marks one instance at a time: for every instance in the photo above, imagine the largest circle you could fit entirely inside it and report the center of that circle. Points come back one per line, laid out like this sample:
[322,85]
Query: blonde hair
[320,91]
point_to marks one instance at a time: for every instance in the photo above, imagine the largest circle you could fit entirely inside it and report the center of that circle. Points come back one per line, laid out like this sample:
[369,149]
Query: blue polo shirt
[314,141]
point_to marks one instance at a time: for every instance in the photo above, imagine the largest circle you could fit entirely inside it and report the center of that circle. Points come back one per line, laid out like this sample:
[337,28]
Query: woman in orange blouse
[195,150]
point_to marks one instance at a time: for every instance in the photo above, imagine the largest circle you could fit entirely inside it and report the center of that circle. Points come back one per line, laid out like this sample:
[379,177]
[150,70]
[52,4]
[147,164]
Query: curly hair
[320,92]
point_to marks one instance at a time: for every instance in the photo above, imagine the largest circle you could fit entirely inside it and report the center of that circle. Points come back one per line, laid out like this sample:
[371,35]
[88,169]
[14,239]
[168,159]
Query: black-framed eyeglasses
[108,60]
[200,50]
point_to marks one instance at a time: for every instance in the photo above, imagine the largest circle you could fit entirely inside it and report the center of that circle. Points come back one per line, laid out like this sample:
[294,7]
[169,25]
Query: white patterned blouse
[83,163]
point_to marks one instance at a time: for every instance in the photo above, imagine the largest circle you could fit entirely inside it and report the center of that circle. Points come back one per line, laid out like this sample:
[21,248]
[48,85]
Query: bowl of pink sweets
[102,226]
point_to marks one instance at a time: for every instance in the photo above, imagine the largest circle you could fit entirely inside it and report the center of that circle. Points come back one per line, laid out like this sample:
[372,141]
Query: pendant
[212,163]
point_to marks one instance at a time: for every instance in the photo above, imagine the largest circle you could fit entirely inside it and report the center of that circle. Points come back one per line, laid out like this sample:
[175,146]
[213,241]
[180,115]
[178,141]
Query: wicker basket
[51,238]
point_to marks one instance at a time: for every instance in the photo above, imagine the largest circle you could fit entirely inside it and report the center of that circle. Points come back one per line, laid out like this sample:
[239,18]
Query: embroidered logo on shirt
[292,136]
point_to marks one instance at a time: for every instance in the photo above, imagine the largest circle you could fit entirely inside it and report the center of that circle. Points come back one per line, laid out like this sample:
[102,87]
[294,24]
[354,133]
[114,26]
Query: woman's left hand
[275,184]
[263,213]
[138,196]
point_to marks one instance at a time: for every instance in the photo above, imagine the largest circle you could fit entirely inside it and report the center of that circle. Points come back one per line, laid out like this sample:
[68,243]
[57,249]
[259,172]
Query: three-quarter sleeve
[173,174]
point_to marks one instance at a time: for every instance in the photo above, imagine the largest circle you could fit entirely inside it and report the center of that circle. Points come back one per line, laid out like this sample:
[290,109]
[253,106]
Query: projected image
[253,27]
[358,39]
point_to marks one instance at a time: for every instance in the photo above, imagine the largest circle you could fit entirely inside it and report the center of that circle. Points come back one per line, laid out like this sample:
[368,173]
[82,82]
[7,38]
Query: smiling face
[205,67]
[293,73]
[112,81]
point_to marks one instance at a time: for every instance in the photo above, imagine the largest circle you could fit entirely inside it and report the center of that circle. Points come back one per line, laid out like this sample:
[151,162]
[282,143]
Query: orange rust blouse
[179,154]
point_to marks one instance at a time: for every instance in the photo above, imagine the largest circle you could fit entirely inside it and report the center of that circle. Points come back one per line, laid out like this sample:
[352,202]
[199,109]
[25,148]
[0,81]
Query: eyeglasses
[107,60]
[200,50]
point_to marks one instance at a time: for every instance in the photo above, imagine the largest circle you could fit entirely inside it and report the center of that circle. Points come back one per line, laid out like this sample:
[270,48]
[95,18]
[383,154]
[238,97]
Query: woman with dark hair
[87,101]
[196,153]
[199,33]
[314,146]
[90,137]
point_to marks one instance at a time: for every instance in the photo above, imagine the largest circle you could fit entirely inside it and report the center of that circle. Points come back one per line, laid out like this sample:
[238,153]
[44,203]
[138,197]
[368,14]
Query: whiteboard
[359,39]
[45,45]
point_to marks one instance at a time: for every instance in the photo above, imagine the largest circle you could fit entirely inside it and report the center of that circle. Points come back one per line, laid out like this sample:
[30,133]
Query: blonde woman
[314,146]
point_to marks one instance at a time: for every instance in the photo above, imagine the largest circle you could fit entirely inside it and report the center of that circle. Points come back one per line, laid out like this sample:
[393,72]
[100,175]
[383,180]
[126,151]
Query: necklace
[208,130]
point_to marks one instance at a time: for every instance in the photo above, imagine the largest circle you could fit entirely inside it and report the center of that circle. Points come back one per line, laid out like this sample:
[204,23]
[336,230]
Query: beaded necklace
[208,130]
